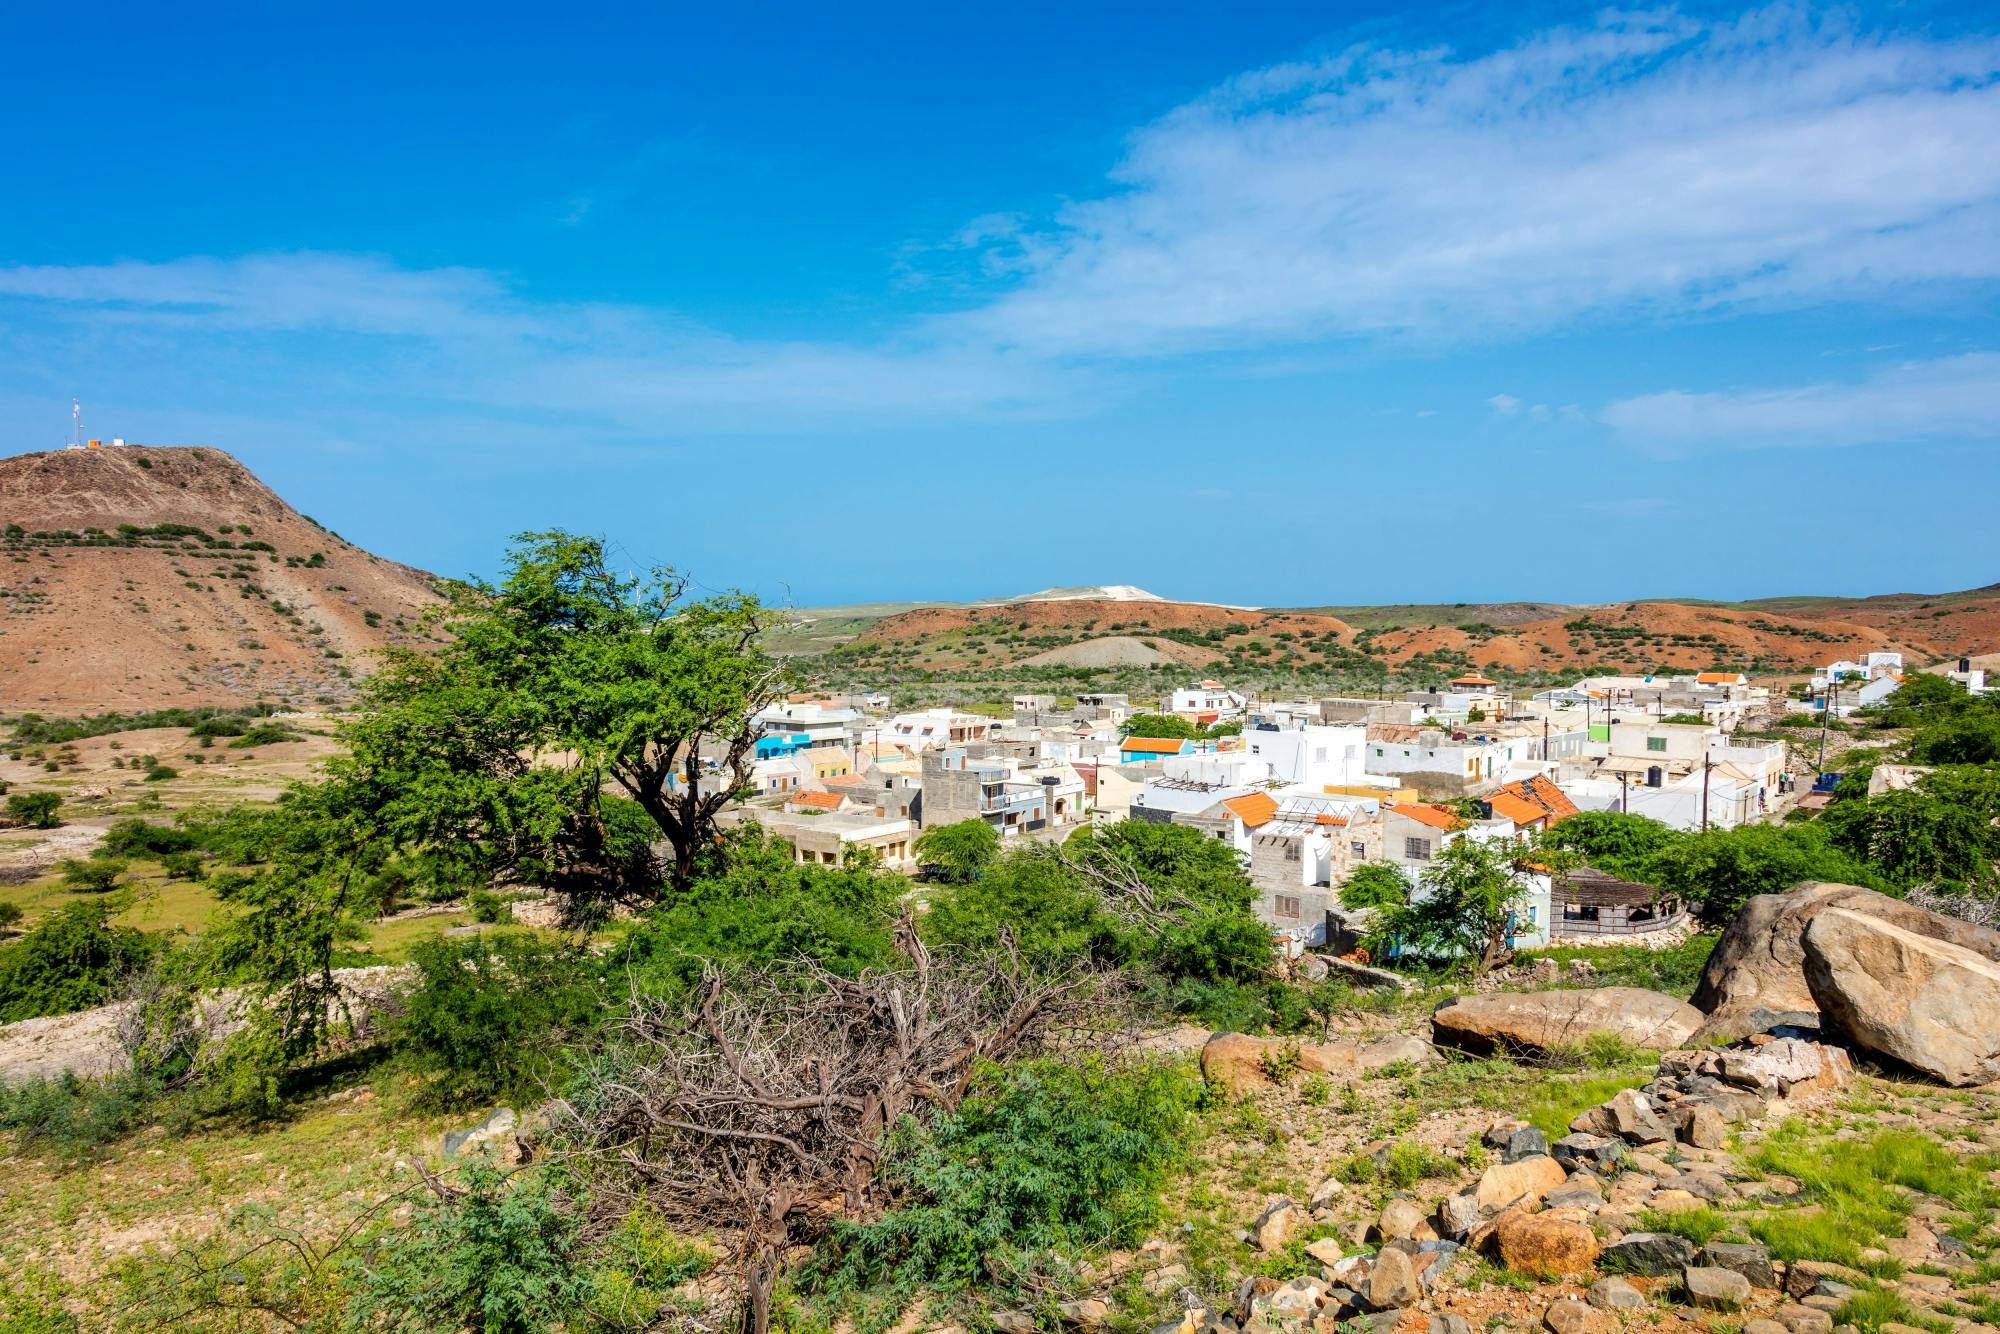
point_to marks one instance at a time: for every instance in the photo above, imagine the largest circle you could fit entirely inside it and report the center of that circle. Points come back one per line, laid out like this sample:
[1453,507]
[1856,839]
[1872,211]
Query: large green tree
[562,685]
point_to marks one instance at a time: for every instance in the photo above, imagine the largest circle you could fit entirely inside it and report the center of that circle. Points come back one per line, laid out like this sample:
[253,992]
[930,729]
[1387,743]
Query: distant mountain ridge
[150,576]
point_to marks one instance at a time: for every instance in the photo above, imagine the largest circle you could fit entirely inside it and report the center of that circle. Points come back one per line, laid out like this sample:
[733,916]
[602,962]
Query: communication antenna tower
[76,416]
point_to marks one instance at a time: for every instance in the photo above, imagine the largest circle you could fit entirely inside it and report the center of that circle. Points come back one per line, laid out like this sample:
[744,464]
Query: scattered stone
[1584,1150]
[1615,1294]
[494,1135]
[1400,1218]
[1762,1326]
[1087,1313]
[1326,1250]
[1635,1121]
[1745,1258]
[1276,1226]
[1392,1281]
[1235,1061]
[1545,1246]
[1324,1194]
[1526,1142]
[1651,1164]
[1458,1215]
[1164,1279]
[1802,1276]
[1567,1315]
[1714,1289]
[1674,1201]
[1704,1127]
[1530,1178]
[1014,1322]
[1651,1253]
[1449,1324]
[1803,1319]
[1537,1020]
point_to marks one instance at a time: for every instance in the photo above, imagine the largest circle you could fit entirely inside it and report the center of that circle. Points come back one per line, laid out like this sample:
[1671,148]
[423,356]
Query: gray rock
[1393,1281]
[1087,1313]
[1714,1289]
[1751,1261]
[1537,1020]
[1803,1319]
[1595,1153]
[1922,1002]
[496,1132]
[1615,1294]
[1449,1324]
[1458,1215]
[1634,1119]
[1526,1142]
[1567,1315]
[1650,1253]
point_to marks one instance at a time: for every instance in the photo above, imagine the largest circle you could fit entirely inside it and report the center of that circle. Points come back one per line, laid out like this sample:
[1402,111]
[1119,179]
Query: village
[1306,790]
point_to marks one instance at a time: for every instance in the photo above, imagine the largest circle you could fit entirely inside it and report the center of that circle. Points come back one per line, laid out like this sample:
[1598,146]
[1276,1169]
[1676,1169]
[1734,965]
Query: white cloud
[1953,397]
[1649,164]
[1504,404]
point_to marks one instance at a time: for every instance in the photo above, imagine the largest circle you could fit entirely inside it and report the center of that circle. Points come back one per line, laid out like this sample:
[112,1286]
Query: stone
[1449,1324]
[1537,1020]
[1531,1178]
[1400,1218]
[1544,1246]
[1086,1313]
[495,1135]
[1525,1142]
[1674,1201]
[1593,1121]
[1235,1061]
[1615,1294]
[1703,1127]
[1824,1303]
[1326,1250]
[1759,961]
[1276,1226]
[1802,1276]
[1392,1281]
[1014,1322]
[1433,1260]
[1165,1279]
[1924,1003]
[1803,1319]
[1458,1215]
[1745,1258]
[1598,1153]
[1782,1065]
[1579,1192]
[1250,1292]
[1651,1164]
[1296,1300]
[1324,1194]
[1762,1326]
[1634,1120]
[1567,1315]
[1651,1253]
[1714,1289]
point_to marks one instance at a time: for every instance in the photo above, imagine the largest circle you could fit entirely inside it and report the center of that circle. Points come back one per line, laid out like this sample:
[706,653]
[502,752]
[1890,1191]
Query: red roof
[1437,817]
[1534,800]
[825,801]
[1252,808]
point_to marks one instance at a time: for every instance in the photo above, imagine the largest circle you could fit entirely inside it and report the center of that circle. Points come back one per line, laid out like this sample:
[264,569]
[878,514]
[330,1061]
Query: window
[1359,848]
[1378,752]
[1288,906]
[1417,849]
[1656,743]
[1291,852]
[1319,754]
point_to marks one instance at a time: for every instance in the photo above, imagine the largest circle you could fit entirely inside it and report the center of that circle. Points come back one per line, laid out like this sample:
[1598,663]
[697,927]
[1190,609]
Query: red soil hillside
[144,577]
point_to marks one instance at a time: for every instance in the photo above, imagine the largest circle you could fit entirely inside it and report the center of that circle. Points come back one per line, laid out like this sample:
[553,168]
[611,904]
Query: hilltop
[163,576]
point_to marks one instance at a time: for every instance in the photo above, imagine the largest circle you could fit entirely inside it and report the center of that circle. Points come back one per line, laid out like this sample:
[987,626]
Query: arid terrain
[150,577]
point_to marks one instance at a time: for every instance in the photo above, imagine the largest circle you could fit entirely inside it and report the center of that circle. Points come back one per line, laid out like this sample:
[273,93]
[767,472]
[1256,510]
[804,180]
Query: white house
[1205,702]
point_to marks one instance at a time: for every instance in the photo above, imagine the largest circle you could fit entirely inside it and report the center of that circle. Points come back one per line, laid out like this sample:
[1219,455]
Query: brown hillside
[257,602]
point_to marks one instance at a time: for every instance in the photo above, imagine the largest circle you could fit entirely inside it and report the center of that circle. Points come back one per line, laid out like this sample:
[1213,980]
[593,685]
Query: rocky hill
[152,576]
[1781,638]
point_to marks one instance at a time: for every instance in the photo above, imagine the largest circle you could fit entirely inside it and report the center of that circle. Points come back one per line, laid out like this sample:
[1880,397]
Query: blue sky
[1272,304]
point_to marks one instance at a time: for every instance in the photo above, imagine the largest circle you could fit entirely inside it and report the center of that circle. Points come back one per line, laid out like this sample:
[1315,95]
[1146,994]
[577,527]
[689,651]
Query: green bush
[98,875]
[500,1258]
[36,810]
[142,838]
[490,1014]
[161,773]
[11,914]
[72,1117]
[72,959]
[182,865]
[488,907]
[1041,1160]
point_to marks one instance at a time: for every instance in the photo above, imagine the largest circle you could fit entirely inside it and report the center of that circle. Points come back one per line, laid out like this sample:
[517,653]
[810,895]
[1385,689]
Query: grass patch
[1557,1101]
[1871,1308]
[1673,971]
[1862,1190]
[1699,1225]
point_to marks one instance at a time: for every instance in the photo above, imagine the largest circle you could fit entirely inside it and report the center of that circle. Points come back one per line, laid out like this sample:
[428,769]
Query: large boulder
[1759,962]
[1924,1002]
[1240,1063]
[1537,1020]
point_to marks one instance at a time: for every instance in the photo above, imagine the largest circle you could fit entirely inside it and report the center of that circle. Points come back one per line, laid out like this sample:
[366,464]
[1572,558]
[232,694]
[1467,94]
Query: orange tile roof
[1252,808]
[826,801]
[1152,745]
[1717,678]
[1475,680]
[1437,817]
[846,780]
[1531,801]
[1329,819]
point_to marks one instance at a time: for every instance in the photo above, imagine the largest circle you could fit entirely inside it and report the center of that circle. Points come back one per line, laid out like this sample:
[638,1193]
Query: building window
[1378,752]
[1359,848]
[1417,849]
[1288,906]
[1656,743]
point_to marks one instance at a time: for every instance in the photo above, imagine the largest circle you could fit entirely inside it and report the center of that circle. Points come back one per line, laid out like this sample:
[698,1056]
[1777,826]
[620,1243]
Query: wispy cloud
[1649,164]
[1952,397]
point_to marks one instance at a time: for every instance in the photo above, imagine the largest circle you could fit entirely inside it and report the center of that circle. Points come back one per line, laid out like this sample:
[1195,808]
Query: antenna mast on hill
[76,415]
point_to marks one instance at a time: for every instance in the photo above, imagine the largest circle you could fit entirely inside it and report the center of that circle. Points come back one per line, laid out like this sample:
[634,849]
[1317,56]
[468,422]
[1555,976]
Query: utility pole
[1624,793]
[1707,762]
[1825,720]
